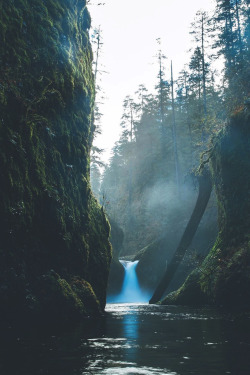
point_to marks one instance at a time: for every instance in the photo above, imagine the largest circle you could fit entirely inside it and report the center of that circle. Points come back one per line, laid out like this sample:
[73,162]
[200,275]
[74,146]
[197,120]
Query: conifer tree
[232,43]
[96,152]
[174,137]
[163,91]
[201,29]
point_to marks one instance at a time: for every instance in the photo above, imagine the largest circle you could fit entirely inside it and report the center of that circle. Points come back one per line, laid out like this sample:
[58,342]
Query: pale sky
[129,30]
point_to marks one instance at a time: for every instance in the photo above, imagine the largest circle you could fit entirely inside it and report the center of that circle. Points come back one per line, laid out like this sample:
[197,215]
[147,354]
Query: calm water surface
[138,339]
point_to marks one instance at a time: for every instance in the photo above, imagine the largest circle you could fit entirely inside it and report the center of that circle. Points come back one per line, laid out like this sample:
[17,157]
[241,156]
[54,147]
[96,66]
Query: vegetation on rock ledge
[224,276]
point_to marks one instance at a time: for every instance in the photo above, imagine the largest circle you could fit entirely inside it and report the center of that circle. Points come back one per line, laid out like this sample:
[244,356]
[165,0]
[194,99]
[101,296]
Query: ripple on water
[125,368]
[139,339]
[164,312]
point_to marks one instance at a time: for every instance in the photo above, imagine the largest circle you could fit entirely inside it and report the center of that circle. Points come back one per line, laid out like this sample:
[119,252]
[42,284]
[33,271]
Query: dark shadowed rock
[224,276]
[54,250]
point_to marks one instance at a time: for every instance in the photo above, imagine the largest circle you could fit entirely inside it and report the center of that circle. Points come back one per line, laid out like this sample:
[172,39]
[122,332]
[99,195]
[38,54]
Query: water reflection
[138,339]
[130,332]
[130,324]
[174,340]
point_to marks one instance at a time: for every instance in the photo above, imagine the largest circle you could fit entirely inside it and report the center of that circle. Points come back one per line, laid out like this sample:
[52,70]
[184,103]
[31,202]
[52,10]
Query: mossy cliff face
[224,277]
[116,275]
[54,249]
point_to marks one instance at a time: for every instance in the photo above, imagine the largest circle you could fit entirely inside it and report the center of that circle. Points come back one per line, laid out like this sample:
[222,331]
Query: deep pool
[138,339]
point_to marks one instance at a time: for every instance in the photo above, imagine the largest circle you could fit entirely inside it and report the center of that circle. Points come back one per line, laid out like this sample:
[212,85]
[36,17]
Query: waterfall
[131,291]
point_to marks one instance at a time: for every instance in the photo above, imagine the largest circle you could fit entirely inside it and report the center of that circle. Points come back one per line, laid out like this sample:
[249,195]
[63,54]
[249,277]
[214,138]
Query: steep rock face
[116,238]
[154,258]
[54,249]
[116,275]
[224,277]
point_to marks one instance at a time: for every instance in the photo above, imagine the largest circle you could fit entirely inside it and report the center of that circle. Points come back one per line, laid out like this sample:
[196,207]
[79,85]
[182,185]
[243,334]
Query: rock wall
[224,276]
[54,249]
[116,275]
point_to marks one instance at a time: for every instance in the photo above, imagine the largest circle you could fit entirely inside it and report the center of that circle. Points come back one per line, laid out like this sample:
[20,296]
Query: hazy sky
[129,30]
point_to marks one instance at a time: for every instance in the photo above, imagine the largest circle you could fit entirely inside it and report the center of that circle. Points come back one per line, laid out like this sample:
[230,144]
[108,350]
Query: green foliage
[84,290]
[139,185]
[144,159]
[223,278]
[232,24]
[56,299]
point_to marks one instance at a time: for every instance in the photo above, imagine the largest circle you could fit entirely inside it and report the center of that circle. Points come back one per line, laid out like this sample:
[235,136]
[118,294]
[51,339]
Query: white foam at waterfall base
[131,291]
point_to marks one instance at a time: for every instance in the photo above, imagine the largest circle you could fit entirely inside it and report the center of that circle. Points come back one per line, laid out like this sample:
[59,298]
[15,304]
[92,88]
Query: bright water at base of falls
[134,339]
[131,291]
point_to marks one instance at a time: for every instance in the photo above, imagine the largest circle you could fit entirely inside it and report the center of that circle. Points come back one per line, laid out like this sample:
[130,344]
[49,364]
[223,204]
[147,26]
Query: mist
[153,181]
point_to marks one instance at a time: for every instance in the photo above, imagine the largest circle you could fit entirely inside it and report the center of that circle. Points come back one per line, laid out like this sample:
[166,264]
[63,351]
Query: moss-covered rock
[117,272]
[48,216]
[116,277]
[224,276]
[116,238]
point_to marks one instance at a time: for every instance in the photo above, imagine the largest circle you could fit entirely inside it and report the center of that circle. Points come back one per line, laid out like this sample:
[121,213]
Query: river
[138,339]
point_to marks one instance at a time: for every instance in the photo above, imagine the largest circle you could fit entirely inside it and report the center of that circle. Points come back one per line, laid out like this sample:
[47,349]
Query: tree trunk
[203,74]
[174,136]
[239,27]
[97,52]
[205,188]
[163,140]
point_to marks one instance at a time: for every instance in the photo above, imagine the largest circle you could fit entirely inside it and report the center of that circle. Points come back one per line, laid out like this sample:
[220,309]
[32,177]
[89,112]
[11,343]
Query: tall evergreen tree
[174,136]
